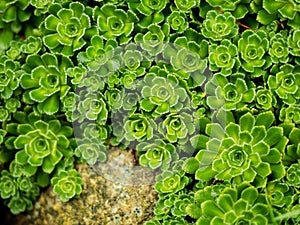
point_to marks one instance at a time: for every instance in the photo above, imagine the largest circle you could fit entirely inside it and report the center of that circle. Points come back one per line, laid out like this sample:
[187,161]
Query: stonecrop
[206,92]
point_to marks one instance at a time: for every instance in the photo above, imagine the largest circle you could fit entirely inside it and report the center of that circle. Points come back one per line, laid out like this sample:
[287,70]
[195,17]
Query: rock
[116,192]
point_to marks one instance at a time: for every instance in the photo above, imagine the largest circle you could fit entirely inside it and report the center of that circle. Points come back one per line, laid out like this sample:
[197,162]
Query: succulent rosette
[223,57]
[235,205]
[186,5]
[153,38]
[139,127]
[42,145]
[46,81]
[9,77]
[67,184]
[14,12]
[286,84]
[91,151]
[161,95]
[279,50]
[170,182]
[98,53]
[177,127]
[230,95]
[290,10]
[290,114]
[65,29]
[248,151]
[158,154]
[253,46]
[150,9]
[178,21]
[294,42]
[114,23]
[264,98]
[217,26]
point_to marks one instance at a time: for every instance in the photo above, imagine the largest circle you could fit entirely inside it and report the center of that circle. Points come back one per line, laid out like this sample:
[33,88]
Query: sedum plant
[65,29]
[206,92]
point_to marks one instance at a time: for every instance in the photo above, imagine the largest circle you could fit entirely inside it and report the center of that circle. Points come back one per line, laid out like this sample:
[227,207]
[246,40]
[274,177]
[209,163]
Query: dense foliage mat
[206,92]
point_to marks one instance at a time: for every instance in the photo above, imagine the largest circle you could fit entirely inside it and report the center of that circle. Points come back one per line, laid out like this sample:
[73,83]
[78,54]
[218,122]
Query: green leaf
[205,173]
[190,165]
[274,134]
[295,136]
[266,119]
[210,209]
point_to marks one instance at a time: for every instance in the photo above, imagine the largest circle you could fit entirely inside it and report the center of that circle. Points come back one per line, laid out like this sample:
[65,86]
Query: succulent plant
[231,95]
[67,184]
[178,21]
[64,30]
[294,42]
[114,23]
[286,84]
[243,204]
[46,80]
[253,46]
[223,57]
[169,182]
[218,26]
[156,154]
[279,48]
[153,38]
[9,77]
[42,145]
[161,95]
[241,152]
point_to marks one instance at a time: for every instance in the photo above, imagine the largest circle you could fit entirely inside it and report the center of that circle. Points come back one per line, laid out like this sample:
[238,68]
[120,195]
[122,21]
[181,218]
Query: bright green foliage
[114,23]
[97,53]
[32,45]
[206,92]
[46,80]
[169,182]
[294,42]
[287,9]
[177,127]
[92,108]
[139,127]
[152,40]
[241,152]
[177,21]
[162,95]
[186,56]
[278,48]
[9,77]
[41,6]
[157,154]
[218,26]
[231,95]
[286,84]
[90,151]
[64,31]
[293,175]
[42,145]
[151,10]
[186,5]
[240,205]
[264,99]
[19,192]
[67,184]
[253,46]
[290,114]
[8,186]
[223,57]
[14,12]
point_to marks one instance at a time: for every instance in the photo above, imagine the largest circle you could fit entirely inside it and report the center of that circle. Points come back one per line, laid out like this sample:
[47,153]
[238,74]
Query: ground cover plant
[206,92]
